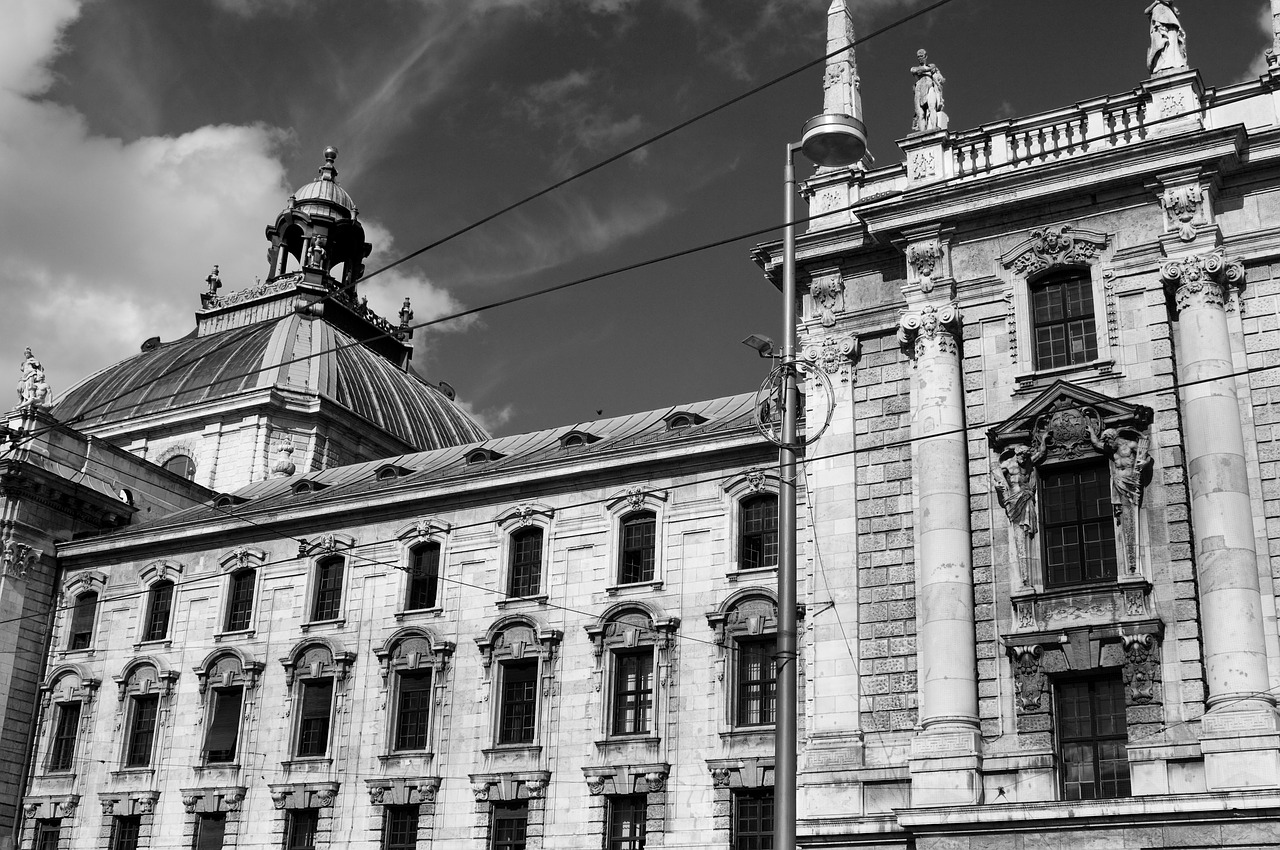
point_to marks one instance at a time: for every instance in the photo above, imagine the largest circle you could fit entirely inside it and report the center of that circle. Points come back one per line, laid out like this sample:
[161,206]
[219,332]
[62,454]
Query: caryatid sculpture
[1168,50]
[927,94]
[1016,481]
[1130,464]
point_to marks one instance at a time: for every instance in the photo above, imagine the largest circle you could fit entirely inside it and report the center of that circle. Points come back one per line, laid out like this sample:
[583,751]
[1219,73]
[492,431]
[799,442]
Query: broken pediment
[1063,417]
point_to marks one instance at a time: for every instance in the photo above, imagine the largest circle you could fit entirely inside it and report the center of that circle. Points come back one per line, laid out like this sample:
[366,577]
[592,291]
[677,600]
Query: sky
[143,141]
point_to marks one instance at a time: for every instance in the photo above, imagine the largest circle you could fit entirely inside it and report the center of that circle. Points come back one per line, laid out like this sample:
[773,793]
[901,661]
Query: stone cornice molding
[1202,280]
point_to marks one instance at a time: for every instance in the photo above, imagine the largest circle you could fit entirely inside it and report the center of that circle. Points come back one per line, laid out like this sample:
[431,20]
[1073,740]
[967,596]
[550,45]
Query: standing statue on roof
[927,93]
[1168,50]
[33,390]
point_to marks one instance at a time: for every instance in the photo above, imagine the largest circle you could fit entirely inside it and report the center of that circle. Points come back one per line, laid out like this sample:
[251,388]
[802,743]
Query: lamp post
[830,140]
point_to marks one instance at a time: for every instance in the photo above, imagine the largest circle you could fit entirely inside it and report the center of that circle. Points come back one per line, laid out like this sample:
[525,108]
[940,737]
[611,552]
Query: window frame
[398,744]
[149,632]
[634,807]
[300,727]
[328,597]
[497,841]
[46,827]
[744,535]
[76,628]
[525,573]
[412,814]
[411,576]
[1112,678]
[216,697]
[126,832]
[191,467]
[198,834]
[740,839]
[236,580]
[528,715]
[144,709]
[292,817]
[63,746]
[1063,276]
[629,520]
[1107,521]
[619,727]
[768,697]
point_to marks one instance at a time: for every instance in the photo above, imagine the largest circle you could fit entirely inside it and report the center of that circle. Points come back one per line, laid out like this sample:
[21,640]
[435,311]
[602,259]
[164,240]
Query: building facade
[1037,515]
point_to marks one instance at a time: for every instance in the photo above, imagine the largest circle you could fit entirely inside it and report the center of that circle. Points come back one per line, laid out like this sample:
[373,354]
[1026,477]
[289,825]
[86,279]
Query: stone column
[1238,732]
[944,758]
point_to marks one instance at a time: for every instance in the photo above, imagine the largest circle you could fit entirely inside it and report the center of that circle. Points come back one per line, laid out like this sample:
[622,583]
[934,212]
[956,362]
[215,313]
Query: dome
[293,354]
[323,194]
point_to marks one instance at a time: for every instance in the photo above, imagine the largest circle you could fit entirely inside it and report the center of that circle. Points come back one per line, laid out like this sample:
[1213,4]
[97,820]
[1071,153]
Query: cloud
[581,121]
[1259,64]
[491,418]
[386,291]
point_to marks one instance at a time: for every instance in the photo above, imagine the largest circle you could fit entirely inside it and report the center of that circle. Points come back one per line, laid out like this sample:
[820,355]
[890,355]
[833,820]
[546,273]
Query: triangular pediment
[1062,416]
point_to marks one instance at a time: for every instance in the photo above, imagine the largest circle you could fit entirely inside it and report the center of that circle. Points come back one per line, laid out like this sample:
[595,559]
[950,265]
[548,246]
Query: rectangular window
[757,681]
[625,826]
[519,708]
[424,577]
[328,592]
[224,725]
[300,828]
[48,834]
[240,601]
[1062,313]
[639,540]
[82,616]
[399,827]
[124,832]
[159,606]
[1092,733]
[759,533]
[1079,526]
[753,819]
[142,731]
[632,692]
[313,717]
[211,831]
[510,826]
[413,709]
[63,752]
[526,563]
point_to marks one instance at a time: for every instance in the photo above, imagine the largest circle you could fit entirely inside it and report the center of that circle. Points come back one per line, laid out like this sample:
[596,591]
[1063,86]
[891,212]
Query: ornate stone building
[1039,599]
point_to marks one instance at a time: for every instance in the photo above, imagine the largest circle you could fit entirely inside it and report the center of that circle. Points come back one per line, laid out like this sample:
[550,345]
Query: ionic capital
[1203,280]
[930,330]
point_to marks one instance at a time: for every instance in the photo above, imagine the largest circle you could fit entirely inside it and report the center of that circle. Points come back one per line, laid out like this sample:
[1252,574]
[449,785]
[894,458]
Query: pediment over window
[1054,247]
[1063,417]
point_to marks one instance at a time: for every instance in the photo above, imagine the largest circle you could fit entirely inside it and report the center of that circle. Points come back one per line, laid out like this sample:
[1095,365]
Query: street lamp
[830,140]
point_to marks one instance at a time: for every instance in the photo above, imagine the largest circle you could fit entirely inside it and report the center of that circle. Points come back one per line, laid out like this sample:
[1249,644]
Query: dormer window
[305,486]
[390,472]
[482,455]
[226,500]
[682,419]
[576,439]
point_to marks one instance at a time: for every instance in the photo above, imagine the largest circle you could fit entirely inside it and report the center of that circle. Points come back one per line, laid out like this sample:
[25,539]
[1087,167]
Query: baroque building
[1036,516]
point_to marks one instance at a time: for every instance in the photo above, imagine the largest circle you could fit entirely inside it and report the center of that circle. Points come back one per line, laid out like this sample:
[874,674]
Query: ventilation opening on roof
[390,472]
[482,456]
[226,500]
[683,419]
[308,487]
[576,439]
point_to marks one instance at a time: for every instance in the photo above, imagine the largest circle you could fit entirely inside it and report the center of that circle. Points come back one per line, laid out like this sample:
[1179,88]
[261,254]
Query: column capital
[1202,280]
[930,328]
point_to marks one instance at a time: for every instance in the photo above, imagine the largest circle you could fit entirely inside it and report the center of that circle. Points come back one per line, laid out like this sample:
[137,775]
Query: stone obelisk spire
[840,85]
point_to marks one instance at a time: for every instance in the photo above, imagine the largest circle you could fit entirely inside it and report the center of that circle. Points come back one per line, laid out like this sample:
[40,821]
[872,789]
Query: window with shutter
[62,753]
[159,605]
[82,617]
[224,725]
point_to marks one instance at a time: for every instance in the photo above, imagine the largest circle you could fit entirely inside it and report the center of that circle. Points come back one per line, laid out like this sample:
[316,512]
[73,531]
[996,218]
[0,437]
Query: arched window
[1062,320]
[315,671]
[159,609]
[525,577]
[181,465]
[82,619]
[424,577]
[639,547]
[758,532]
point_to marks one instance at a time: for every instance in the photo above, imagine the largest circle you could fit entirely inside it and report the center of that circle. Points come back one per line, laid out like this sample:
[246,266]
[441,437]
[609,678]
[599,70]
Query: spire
[840,85]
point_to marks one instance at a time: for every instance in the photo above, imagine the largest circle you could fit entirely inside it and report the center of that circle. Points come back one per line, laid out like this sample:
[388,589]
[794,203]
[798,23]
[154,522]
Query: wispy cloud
[1259,64]
[572,108]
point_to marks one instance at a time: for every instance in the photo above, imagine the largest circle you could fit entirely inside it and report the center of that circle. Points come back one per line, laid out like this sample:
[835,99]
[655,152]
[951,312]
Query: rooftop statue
[928,96]
[1168,50]
[33,390]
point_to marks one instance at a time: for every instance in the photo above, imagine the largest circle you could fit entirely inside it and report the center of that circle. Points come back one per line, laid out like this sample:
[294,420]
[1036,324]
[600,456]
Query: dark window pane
[1063,321]
[399,827]
[413,709]
[63,752]
[526,563]
[625,828]
[142,731]
[424,577]
[328,591]
[510,826]
[240,600]
[224,725]
[757,682]
[181,465]
[753,820]
[632,692]
[1079,528]
[1091,738]
[159,606]
[82,616]
[519,709]
[124,832]
[759,539]
[48,834]
[211,830]
[301,826]
[639,533]
[313,720]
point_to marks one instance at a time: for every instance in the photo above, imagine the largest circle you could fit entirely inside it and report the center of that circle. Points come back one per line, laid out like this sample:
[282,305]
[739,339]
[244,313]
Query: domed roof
[325,189]
[294,354]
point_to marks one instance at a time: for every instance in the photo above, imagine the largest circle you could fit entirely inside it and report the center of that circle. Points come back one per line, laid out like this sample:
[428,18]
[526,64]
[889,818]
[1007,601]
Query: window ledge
[87,652]
[325,624]
[531,750]
[215,768]
[1038,379]
[762,735]
[419,612]
[305,762]
[615,589]
[162,643]
[126,772]
[623,740]
[407,757]
[748,575]
[238,633]
[518,601]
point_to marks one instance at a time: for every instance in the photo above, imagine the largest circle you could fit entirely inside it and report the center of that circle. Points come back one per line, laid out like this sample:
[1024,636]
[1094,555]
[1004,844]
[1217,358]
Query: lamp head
[834,140]
[762,344]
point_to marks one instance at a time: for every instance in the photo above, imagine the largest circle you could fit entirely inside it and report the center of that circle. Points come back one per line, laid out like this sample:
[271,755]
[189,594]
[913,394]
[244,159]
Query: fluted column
[1231,613]
[946,642]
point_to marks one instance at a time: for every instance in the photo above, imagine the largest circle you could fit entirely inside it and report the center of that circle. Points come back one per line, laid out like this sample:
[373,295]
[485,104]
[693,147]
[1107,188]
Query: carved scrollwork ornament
[931,328]
[1029,677]
[536,787]
[279,798]
[480,790]
[1203,280]
[376,794]
[1182,206]
[428,789]
[720,777]
[1056,246]
[1141,668]
[923,259]
[833,353]
[655,781]
[827,293]
[595,785]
